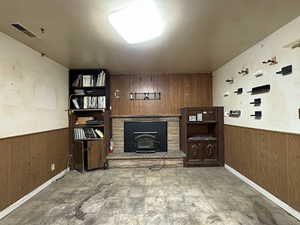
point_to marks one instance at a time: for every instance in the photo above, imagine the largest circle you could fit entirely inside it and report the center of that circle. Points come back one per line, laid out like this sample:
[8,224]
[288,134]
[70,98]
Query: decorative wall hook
[244,71]
[256,102]
[286,70]
[226,94]
[234,113]
[271,61]
[260,89]
[258,73]
[293,45]
[145,96]
[257,114]
[230,81]
[239,91]
[297,45]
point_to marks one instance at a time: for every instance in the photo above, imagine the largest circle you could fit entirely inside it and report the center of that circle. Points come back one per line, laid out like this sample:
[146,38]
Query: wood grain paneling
[293,170]
[25,162]
[177,91]
[270,159]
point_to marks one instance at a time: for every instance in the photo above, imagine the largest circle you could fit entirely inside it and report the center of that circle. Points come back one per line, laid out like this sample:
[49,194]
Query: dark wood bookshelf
[89,153]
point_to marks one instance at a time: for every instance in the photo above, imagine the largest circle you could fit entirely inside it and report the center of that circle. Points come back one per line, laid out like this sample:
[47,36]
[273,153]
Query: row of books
[90,80]
[87,133]
[89,102]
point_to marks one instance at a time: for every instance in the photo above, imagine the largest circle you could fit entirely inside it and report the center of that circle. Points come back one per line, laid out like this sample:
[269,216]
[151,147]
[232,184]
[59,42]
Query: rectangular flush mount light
[138,22]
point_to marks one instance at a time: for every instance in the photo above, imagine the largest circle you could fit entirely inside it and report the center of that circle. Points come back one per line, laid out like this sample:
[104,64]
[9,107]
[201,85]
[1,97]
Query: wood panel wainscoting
[177,91]
[270,159]
[25,162]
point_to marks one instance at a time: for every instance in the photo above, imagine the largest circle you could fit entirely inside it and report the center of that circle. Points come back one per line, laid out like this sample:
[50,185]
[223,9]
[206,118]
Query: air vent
[23,29]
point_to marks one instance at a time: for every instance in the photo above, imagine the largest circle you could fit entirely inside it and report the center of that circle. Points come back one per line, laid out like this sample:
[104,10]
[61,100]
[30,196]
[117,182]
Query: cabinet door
[194,152]
[202,153]
[209,152]
[79,156]
[95,151]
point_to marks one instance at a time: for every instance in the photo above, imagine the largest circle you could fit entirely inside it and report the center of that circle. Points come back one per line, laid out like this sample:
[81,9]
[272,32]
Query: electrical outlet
[52,166]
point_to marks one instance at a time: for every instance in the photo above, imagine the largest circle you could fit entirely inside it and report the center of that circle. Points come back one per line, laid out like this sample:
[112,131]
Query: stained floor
[170,196]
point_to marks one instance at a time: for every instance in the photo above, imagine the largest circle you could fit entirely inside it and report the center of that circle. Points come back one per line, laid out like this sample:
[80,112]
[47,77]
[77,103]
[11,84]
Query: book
[86,80]
[75,102]
[77,82]
[99,133]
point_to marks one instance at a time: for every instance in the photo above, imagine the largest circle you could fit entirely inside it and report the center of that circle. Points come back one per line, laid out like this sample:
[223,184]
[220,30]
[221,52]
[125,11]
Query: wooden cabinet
[90,154]
[95,154]
[202,136]
[202,152]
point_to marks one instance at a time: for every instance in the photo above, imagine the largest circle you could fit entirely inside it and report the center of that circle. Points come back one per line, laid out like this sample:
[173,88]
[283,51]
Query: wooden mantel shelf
[145,116]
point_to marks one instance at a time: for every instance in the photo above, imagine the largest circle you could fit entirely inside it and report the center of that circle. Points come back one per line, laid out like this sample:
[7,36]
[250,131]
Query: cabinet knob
[209,149]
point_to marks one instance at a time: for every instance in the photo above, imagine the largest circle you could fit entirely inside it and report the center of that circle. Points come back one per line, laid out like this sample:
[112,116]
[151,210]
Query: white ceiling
[200,35]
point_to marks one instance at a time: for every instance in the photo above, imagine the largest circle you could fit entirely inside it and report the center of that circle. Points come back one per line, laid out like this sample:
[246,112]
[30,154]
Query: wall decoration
[256,102]
[293,45]
[244,71]
[144,96]
[258,73]
[234,113]
[199,116]
[271,61]
[226,94]
[230,81]
[286,70]
[257,114]
[239,91]
[260,89]
[192,118]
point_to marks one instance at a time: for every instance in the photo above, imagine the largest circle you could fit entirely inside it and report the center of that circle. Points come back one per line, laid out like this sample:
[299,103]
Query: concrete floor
[173,196]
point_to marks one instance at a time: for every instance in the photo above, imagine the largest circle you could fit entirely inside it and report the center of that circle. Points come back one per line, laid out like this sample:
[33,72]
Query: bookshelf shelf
[102,87]
[203,122]
[201,138]
[89,103]
[86,125]
[89,139]
[86,110]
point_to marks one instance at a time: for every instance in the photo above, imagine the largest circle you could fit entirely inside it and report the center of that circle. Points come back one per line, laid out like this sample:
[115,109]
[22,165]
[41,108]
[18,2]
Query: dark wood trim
[40,132]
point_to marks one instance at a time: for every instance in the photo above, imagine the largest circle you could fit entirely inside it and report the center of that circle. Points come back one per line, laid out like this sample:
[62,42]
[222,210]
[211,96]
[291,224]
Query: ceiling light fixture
[138,22]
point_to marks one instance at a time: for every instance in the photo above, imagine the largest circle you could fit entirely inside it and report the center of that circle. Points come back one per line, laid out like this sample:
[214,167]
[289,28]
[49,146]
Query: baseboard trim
[21,201]
[264,192]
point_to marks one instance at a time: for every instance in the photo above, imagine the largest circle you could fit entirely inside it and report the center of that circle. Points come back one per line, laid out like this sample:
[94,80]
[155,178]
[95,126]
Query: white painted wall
[280,105]
[33,90]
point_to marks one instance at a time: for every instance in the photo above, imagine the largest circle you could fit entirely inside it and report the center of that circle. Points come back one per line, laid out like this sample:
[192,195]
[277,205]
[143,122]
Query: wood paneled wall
[270,159]
[177,91]
[25,162]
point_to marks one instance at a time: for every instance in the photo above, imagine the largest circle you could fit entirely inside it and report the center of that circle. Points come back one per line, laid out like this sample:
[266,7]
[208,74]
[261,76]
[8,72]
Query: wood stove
[145,137]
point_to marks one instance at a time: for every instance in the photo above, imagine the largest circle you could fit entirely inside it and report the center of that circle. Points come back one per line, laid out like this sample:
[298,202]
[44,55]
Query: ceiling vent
[24,30]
